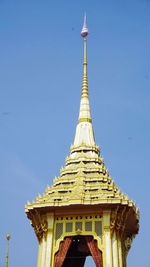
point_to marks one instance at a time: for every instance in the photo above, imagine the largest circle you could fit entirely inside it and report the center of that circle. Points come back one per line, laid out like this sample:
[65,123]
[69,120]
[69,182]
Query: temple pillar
[107,240]
[120,253]
[115,250]
[46,243]
[39,254]
[49,240]
[43,251]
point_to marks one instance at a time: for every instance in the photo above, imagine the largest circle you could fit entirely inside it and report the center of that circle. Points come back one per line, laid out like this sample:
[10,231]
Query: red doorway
[74,250]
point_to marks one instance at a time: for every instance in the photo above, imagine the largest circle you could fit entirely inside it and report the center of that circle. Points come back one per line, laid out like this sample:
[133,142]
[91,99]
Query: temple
[83,213]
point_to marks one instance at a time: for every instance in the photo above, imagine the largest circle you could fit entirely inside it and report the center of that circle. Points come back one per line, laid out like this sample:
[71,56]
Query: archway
[74,250]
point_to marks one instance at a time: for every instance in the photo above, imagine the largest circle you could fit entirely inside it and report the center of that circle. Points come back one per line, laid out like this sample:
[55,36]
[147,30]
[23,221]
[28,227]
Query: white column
[115,250]
[43,252]
[107,240]
[39,254]
[49,243]
[120,253]
[108,249]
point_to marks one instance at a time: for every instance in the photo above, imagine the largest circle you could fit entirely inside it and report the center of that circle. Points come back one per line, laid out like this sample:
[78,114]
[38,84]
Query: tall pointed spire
[84,131]
[84,34]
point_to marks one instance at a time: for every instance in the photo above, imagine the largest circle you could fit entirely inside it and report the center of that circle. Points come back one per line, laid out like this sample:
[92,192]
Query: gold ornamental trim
[84,120]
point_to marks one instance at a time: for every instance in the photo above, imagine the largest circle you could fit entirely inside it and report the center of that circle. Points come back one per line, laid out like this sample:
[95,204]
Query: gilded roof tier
[84,179]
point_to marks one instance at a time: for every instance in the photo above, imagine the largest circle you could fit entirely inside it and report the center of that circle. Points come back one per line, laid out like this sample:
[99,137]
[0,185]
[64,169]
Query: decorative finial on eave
[84,31]
[7,249]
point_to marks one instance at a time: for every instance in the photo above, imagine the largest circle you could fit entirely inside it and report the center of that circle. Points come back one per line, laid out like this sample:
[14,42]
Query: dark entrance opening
[74,250]
[77,252]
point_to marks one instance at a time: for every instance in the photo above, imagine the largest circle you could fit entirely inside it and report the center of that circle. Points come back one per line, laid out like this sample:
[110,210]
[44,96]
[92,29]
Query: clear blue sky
[40,85]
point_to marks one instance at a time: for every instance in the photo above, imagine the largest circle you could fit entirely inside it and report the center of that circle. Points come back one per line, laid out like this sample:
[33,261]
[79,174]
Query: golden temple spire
[83,201]
[84,131]
[84,34]
[7,250]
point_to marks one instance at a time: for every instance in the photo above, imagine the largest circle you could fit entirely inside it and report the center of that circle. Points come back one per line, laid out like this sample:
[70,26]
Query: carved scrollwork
[39,224]
[118,220]
[113,220]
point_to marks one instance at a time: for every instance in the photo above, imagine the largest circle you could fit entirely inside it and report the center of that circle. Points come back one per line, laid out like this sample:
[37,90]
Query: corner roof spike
[7,249]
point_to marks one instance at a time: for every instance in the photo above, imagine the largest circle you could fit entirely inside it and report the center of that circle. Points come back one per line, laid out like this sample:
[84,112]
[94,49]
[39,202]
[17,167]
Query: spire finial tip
[84,31]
